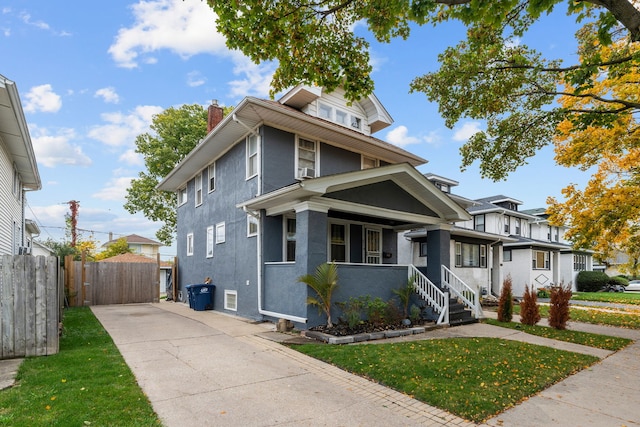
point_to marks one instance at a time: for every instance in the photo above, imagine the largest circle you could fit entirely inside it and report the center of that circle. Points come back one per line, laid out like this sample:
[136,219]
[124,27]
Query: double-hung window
[220,233]
[182,196]
[307,152]
[541,260]
[471,255]
[338,236]
[189,244]
[199,189]
[290,239]
[507,224]
[210,242]
[252,226]
[478,222]
[211,173]
[518,223]
[252,156]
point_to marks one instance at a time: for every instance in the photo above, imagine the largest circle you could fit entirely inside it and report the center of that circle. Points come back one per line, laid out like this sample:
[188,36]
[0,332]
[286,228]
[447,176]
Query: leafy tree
[324,282]
[63,248]
[118,247]
[527,100]
[606,213]
[175,132]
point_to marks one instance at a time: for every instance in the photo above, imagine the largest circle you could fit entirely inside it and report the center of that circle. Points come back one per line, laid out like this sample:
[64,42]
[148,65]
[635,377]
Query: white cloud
[26,18]
[55,150]
[122,129]
[400,137]
[108,94]
[115,189]
[467,130]
[130,157]
[195,79]
[257,80]
[42,98]
[186,27]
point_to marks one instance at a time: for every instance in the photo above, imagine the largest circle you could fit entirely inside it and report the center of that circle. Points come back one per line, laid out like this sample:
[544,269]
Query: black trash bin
[202,296]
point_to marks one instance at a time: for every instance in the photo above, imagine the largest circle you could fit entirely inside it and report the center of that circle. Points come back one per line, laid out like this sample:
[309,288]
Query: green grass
[632,298]
[576,337]
[86,383]
[610,317]
[474,378]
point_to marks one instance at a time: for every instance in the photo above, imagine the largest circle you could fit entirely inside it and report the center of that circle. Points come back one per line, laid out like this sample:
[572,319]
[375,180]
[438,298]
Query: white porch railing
[469,296]
[437,299]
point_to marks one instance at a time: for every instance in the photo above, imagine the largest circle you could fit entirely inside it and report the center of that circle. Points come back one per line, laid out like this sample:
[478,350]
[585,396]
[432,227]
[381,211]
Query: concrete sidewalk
[202,368]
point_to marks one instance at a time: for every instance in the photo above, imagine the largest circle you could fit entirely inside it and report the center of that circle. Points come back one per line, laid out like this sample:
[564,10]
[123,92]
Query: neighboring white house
[138,245]
[500,240]
[18,170]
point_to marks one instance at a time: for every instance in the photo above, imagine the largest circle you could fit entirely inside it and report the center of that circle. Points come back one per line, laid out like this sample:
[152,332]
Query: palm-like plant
[323,282]
[404,293]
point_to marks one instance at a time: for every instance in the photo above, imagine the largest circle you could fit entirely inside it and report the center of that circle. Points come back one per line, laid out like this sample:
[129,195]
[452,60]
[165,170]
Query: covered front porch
[353,220]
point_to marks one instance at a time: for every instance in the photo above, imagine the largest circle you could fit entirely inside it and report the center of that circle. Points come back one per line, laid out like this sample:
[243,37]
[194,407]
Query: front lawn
[86,383]
[474,378]
[592,340]
[632,298]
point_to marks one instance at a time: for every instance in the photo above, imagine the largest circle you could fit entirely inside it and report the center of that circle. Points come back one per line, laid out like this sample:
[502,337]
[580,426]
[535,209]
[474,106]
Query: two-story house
[539,256]
[138,245]
[279,187]
[18,170]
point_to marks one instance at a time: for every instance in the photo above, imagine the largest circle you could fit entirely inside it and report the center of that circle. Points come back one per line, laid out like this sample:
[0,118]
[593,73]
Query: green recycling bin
[202,295]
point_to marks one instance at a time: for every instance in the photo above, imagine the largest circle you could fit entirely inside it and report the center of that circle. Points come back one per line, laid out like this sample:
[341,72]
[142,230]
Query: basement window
[231,300]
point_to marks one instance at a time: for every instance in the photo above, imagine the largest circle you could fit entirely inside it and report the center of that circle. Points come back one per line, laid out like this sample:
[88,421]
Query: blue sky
[91,77]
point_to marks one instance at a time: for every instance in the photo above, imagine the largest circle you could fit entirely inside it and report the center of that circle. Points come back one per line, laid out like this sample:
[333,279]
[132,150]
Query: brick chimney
[215,115]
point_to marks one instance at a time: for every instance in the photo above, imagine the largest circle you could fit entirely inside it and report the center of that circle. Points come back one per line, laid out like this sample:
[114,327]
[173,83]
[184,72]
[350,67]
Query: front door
[373,246]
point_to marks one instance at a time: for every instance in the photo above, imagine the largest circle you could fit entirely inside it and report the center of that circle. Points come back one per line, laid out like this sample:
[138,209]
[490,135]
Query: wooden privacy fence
[102,283]
[31,302]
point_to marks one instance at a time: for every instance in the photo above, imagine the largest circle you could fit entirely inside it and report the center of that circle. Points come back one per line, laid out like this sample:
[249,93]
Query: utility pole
[73,207]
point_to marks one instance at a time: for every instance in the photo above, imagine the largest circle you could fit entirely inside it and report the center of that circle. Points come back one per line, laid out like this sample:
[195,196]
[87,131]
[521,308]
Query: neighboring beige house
[139,245]
[18,170]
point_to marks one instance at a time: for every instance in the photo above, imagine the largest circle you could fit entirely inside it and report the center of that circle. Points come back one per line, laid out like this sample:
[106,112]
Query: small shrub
[559,309]
[591,281]
[543,293]
[529,310]
[414,313]
[352,310]
[505,304]
[617,280]
[393,314]
[376,310]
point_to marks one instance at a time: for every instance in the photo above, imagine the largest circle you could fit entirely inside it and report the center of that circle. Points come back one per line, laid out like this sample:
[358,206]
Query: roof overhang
[301,194]
[466,232]
[253,112]
[14,133]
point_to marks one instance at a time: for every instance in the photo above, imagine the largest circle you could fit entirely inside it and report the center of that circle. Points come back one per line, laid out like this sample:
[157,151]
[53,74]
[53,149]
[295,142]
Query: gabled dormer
[505,202]
[366,116]
[442,183]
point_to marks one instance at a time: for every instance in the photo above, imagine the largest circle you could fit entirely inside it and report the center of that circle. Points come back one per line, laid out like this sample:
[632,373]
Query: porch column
[438,252]
[311,236]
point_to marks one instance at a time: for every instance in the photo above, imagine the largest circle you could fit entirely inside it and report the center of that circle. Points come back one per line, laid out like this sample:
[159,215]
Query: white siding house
[18,169]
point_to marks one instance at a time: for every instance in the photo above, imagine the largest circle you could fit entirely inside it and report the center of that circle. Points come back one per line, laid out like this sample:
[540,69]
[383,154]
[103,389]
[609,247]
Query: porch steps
[459,314]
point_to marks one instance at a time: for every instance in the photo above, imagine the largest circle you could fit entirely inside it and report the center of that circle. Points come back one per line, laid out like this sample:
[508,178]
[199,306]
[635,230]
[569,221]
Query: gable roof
[15,135]
[438,207]
[252,112]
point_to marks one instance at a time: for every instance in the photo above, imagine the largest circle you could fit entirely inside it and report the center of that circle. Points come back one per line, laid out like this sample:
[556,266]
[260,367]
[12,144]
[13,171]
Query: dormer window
[342,117]
[325,111]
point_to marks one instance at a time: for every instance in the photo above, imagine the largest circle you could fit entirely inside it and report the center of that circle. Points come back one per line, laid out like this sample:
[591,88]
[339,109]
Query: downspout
[260,270]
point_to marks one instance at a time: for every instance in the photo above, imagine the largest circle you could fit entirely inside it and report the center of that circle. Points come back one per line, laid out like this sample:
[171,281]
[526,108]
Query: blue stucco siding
[283,292]
[234,262]
[386,194]
[334,160]
[278,158]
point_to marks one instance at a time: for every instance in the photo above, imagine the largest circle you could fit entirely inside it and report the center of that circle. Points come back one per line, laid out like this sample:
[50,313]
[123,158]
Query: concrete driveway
[208,369]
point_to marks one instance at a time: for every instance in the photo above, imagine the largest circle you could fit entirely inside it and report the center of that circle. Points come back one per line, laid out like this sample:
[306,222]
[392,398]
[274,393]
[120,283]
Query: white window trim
[252,220]
[210,237]
[220,237]
[316,161]
[227,293]
[248,157]
[198,190]
[182,195]
[212,167]
[190,244]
